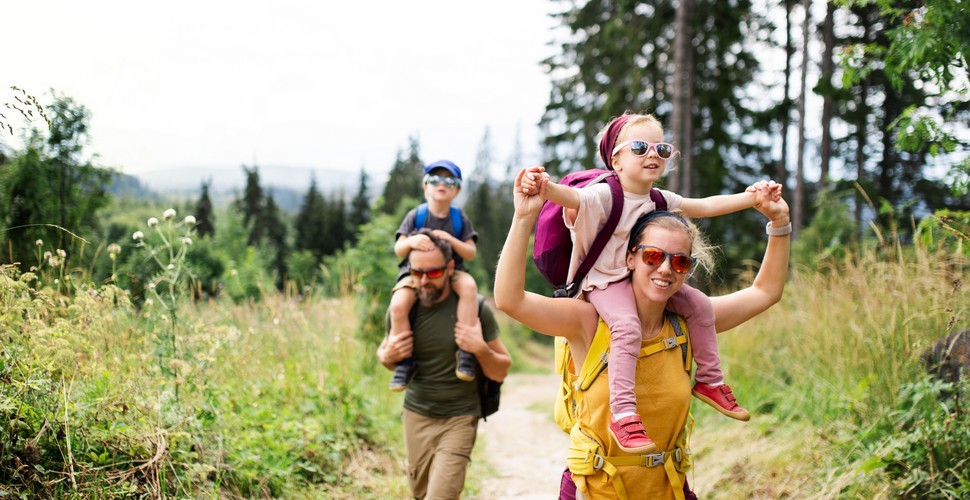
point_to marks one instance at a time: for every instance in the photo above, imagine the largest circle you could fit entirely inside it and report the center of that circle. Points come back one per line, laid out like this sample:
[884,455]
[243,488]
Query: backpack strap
[604,235]
[680,329]
[421,216]
[658,199]
[456,224]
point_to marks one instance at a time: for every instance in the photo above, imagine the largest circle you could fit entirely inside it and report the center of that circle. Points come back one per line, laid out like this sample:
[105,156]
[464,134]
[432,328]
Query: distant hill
[287,184]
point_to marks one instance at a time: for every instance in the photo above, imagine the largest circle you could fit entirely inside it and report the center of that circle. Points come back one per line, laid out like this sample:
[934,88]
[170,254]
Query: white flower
[170,267]
[152,222]
[114,248]
[189,220]
[169,214]
[62,253]
[39,243]
[138,236]
[187,241]
[151,286]
[47,255]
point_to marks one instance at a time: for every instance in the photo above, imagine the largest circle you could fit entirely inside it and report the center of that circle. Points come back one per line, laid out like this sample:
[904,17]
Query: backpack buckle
[653,460]
[598,462]
[669,343]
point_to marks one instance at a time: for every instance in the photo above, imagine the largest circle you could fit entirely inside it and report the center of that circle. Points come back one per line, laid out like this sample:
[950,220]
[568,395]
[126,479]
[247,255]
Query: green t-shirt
[435,391]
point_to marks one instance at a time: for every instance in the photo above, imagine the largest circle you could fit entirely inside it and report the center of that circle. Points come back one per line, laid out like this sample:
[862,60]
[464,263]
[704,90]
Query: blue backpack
[456,224]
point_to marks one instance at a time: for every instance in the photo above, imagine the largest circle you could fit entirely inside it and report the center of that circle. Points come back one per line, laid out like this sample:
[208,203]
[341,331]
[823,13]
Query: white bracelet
[778,231]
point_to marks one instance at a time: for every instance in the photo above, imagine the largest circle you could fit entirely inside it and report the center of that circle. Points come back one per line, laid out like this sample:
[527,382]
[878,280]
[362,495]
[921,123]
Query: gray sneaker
[403,373]
[466,365]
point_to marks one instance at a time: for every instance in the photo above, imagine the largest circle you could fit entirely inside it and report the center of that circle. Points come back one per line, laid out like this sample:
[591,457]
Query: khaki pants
[438,451]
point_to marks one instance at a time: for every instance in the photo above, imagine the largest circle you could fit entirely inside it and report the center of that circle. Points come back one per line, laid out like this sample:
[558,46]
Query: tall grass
[278,399]
[839,353]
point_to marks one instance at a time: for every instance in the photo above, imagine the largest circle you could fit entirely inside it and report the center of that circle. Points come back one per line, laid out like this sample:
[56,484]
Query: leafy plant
[924,450]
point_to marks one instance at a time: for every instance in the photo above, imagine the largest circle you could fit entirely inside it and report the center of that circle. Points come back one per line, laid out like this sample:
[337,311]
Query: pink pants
[617,306]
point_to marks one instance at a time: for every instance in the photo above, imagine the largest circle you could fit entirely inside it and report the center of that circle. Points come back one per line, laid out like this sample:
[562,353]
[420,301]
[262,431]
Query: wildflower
[39,243]
[152,222]
[138,236]
[53,262]
[189,220]
[233,273]
[151,286]
[149,302]
[47,255]
[169,214]
[62,253]
[187,241]
[114,248]
[170,267]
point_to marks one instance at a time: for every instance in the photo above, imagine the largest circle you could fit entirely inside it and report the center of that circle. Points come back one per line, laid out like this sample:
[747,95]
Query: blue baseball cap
[445,164]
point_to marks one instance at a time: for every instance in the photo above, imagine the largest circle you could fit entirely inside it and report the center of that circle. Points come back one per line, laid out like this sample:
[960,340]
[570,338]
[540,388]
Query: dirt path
[523,444]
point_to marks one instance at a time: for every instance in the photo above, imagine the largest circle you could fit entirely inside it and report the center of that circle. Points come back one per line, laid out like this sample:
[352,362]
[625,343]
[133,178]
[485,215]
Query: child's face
[638,173]
[441,192]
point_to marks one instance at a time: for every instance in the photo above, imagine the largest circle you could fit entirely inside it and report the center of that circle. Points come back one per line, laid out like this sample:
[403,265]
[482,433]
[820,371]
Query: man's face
[424,265]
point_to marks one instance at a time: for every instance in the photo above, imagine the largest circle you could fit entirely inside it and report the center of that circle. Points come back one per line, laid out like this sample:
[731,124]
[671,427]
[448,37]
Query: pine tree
[251,205]
[272,220]
[404,180]
[204,216]
[359,207]
[310,224]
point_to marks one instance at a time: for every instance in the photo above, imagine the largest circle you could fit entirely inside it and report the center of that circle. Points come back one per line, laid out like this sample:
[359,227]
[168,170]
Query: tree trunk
[680,121]
[782,168]
[828,106]
[798,218]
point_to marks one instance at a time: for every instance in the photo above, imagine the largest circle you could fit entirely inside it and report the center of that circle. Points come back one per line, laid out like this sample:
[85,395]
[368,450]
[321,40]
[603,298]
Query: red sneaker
[629,434]
[722,399]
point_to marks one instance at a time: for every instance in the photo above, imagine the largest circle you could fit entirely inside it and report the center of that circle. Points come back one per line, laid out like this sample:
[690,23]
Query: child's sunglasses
[432,274]
[437,180]
[641,148]
[654,256]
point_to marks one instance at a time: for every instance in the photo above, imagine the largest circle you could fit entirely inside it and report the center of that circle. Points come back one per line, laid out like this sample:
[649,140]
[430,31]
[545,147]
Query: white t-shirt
[595,203]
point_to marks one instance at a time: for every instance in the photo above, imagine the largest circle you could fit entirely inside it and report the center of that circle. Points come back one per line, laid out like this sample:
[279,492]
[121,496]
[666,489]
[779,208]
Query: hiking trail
[522,442]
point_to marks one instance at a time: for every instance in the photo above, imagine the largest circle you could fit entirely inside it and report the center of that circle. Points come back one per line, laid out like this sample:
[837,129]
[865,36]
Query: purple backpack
[553,246]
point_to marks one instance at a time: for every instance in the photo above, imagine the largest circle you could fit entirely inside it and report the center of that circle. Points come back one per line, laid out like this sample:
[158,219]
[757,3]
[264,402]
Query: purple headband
[608,141]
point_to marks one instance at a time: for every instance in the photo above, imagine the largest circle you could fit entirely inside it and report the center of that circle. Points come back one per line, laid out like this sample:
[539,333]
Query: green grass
[284,397]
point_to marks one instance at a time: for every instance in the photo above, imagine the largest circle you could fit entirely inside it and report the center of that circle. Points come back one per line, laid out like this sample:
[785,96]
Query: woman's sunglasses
[641,148]
[432,274]
[437,180]
[654,256]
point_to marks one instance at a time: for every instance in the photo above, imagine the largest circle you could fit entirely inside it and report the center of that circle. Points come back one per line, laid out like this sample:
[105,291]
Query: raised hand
[776,210]
[529,185]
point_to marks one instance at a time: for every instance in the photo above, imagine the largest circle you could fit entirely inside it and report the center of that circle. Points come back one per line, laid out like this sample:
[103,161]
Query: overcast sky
[336,85]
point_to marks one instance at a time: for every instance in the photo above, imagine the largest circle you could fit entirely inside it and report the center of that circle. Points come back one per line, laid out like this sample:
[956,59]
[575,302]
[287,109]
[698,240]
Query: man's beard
[429,295]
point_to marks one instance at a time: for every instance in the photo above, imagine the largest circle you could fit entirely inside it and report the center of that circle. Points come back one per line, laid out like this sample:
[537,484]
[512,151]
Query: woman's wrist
[779,227]
[781,221]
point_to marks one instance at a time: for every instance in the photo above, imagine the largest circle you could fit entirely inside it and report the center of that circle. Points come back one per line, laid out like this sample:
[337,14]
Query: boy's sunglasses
[437,180]
[432,274]
[641,148]
[654,256]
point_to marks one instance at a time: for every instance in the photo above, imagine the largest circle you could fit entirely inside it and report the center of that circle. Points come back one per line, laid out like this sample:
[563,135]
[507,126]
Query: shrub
[924,442]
